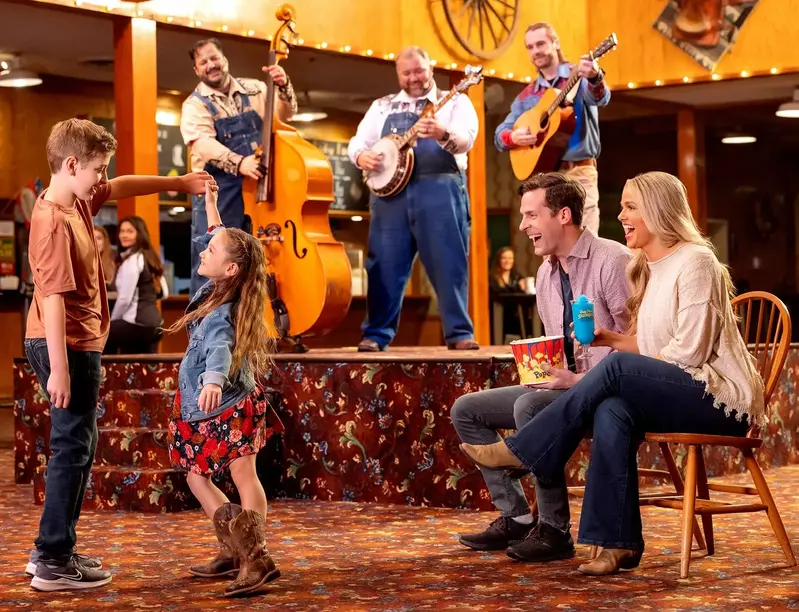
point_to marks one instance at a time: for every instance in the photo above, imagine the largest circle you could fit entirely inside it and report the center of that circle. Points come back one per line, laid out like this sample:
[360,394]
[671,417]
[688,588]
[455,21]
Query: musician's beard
[219,81]
[543,62]
[417,90]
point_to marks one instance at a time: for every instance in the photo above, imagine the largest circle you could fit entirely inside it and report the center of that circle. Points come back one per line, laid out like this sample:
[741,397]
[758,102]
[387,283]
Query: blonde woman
[683,367]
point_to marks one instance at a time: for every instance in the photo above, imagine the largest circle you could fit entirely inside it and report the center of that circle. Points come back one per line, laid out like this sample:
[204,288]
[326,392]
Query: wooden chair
[769,342]
[770,348]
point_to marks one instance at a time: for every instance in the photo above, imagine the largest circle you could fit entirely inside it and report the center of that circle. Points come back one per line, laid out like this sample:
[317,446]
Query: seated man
[575,263]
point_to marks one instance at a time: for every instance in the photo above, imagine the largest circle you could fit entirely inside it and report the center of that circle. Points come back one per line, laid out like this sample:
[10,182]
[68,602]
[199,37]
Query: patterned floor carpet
[343,556]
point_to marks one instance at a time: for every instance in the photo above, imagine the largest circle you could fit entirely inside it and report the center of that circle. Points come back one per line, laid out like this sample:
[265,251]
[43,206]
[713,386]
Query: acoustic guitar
[558,123]
[397,156]
[309,275]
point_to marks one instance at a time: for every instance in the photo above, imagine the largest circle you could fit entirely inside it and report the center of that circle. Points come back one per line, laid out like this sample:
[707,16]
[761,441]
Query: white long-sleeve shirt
[126,306]
[457,116]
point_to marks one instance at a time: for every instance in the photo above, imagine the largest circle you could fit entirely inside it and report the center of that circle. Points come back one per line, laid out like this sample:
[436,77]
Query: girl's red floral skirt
[205,447]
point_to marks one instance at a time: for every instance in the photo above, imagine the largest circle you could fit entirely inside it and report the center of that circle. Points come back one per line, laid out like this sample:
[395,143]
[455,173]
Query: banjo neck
[413,132]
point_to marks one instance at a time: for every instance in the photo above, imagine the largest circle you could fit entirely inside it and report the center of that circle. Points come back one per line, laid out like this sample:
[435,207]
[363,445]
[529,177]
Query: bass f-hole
[288,224]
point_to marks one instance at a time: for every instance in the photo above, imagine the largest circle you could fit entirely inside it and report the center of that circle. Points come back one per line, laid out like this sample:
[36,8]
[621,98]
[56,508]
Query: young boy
[67,328]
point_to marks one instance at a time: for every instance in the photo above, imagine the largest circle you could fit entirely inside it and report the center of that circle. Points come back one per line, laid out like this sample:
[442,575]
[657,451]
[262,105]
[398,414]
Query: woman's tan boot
[249,541]
[225,563]
[611,560]
[492,455]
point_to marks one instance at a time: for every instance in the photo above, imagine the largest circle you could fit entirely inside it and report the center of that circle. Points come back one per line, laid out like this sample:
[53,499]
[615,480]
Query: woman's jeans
[621,399]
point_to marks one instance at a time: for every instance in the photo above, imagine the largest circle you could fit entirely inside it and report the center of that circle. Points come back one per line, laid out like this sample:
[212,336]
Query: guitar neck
[563,93]
[411,133]
[264,185]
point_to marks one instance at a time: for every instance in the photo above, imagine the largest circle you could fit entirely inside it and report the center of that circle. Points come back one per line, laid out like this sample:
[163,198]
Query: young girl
[222,418]
[136,321]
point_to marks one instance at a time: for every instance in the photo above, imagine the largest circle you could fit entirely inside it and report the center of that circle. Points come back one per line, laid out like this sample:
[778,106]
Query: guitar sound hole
[544,122]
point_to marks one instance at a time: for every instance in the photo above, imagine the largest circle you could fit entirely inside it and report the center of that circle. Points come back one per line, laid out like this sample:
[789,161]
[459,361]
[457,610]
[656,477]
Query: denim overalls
[431,217]
[241,134]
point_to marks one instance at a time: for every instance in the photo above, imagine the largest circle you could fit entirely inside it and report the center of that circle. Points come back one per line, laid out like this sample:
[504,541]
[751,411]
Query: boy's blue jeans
[73,441]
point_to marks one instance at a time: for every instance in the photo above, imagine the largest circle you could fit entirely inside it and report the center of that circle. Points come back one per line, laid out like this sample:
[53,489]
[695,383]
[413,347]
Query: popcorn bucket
[533,353]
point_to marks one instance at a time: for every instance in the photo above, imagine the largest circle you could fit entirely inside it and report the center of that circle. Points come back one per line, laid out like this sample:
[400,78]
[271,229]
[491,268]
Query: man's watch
[599,76]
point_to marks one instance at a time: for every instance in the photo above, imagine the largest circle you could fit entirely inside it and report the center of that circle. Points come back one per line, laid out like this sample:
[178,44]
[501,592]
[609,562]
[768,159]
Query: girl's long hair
[143,245]
[247,290]
[107,256]
[666,212]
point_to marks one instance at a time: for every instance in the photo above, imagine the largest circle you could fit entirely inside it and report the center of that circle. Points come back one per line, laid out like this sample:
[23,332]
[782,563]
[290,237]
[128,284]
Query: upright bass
[309,272]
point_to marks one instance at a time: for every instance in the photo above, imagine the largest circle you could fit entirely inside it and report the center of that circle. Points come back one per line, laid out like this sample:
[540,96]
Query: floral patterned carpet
[391,558]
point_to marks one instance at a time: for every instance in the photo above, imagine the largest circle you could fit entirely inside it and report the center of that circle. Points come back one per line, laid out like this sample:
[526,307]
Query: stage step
[129,489]
[131,470]
[151,408]
[132,447]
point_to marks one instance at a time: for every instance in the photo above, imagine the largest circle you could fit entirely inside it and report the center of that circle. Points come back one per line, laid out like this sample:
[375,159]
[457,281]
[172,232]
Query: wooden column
[691,162]
[136,97]
[478,244]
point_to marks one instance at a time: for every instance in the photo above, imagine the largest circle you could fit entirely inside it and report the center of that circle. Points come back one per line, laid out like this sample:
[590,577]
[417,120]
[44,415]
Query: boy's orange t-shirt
[64,259]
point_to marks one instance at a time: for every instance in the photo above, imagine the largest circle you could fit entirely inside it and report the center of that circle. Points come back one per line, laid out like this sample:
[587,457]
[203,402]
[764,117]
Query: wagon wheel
[484,28]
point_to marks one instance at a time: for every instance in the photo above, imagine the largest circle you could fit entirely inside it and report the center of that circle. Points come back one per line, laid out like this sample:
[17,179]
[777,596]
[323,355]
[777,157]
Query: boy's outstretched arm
[132,185]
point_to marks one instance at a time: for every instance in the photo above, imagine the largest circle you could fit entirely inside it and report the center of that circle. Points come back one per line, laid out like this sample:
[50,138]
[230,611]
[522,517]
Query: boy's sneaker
[52,575]
[87,562]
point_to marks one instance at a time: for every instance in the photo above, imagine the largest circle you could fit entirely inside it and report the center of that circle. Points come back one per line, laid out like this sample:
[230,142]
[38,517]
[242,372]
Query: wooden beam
[136,98]
[478,242]
[691,163]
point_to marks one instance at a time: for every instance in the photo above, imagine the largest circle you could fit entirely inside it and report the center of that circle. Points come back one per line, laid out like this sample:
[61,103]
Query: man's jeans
[478,416]
[73,441]
[622,398]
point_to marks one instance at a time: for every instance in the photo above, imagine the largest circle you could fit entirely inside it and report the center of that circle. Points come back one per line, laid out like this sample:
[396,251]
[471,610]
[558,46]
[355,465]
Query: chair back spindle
[771,339]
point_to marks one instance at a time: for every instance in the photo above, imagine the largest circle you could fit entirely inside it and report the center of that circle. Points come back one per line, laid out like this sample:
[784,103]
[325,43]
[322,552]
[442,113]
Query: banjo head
[380,179]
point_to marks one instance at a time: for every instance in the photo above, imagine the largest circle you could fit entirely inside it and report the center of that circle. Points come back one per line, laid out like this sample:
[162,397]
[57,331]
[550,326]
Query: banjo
[396,152]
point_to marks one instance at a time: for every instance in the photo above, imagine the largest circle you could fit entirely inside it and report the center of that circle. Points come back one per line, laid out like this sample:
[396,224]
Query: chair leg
[679,487]
[773,514]
[688,508]
[704,493]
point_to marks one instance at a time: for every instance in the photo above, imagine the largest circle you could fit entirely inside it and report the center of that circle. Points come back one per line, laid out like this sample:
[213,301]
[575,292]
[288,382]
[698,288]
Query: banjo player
[430,216]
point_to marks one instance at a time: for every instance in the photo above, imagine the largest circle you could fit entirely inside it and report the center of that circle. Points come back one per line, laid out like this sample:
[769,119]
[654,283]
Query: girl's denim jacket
[209,356]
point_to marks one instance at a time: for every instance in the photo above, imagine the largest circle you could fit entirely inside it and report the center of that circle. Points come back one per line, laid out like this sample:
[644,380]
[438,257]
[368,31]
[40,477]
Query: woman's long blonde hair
[247,290]
[664,208]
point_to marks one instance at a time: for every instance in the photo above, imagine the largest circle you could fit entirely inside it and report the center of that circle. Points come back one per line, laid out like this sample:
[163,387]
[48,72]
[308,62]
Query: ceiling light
[19,78]
[790,110]
[738,139]
[307,116]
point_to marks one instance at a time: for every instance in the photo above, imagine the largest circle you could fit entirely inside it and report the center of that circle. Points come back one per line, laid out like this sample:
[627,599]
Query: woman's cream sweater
[685,318]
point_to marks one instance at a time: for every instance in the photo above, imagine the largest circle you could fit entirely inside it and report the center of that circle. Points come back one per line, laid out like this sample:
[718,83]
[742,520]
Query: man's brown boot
[249,542]
[226,563]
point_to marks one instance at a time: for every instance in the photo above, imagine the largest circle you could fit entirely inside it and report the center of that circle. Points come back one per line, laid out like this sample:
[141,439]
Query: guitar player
[582,150]
[221,122]
[430,216]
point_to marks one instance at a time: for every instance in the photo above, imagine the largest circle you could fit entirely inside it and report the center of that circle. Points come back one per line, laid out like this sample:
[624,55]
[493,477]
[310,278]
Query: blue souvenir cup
[583,320]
